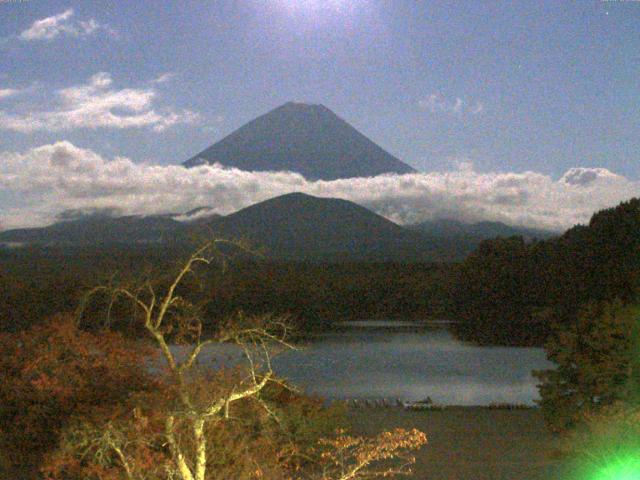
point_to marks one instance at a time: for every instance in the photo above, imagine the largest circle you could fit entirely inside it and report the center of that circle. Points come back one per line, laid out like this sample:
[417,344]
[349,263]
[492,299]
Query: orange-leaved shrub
[252,443]
[54,371]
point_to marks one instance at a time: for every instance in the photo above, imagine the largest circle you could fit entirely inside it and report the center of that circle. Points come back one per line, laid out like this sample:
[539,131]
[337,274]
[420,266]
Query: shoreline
[418,406]
[473,443]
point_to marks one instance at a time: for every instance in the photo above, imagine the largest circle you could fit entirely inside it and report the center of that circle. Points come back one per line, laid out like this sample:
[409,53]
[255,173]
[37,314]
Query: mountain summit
[302,227]
[307,139]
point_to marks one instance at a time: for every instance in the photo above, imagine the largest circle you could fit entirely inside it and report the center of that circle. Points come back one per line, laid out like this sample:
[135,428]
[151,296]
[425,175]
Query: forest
[508,291]
[39,282]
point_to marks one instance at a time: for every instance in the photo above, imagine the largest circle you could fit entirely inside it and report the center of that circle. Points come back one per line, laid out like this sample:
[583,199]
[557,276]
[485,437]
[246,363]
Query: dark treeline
[512,292]
[36,283]
[319,294]
[508,291]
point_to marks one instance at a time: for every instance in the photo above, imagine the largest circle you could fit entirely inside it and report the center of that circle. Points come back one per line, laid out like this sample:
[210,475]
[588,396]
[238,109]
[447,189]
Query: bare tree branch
[168,315]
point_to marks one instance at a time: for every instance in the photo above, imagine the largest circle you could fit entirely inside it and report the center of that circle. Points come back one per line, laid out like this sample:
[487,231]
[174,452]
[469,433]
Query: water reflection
[374,360]
[408,362]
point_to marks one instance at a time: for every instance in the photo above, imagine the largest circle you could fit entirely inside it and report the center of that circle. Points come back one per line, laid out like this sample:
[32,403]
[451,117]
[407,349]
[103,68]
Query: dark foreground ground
[472,443]
[466,443]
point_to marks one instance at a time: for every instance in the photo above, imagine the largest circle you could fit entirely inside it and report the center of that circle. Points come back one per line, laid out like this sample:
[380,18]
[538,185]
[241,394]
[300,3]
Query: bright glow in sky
[318,7]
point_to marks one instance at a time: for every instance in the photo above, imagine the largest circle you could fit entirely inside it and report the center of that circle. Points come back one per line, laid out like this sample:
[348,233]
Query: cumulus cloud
[43,182]
[8,92]
[437,103]
[586,176]
[97,104]
[62,24]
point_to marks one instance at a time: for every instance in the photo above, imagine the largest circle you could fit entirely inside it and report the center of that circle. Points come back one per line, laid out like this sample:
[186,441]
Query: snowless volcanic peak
[303,138]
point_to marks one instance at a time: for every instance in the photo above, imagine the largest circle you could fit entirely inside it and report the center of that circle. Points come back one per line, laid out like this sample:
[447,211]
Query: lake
[402,360]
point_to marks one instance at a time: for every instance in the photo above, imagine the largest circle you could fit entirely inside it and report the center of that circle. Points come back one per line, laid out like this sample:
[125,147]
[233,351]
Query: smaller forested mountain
[297,226]
[307,139]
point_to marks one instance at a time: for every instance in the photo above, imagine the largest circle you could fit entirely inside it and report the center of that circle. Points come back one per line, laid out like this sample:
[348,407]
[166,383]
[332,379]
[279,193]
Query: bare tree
[194,409]
[170,315]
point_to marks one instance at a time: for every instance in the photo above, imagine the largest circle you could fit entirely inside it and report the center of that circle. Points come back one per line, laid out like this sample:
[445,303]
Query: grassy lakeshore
[472,443]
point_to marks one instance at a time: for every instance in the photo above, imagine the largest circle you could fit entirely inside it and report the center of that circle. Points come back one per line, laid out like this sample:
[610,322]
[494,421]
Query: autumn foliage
[95,406]
[347,457]
[55,371]
[596,361]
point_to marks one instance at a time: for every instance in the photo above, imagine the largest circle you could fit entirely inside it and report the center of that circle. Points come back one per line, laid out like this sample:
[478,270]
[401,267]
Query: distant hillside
[290,227]
[100,230]
[449,228]
[307,139]
[294,226]
[298,226]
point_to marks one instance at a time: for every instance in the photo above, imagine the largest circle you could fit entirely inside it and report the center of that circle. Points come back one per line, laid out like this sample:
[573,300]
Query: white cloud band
[42,182]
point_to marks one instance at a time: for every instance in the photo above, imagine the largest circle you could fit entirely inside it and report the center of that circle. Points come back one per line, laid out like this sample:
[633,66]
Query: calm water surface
[373,360]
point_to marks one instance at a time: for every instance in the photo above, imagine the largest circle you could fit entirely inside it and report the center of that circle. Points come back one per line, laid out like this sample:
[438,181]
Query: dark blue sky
[510,86]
